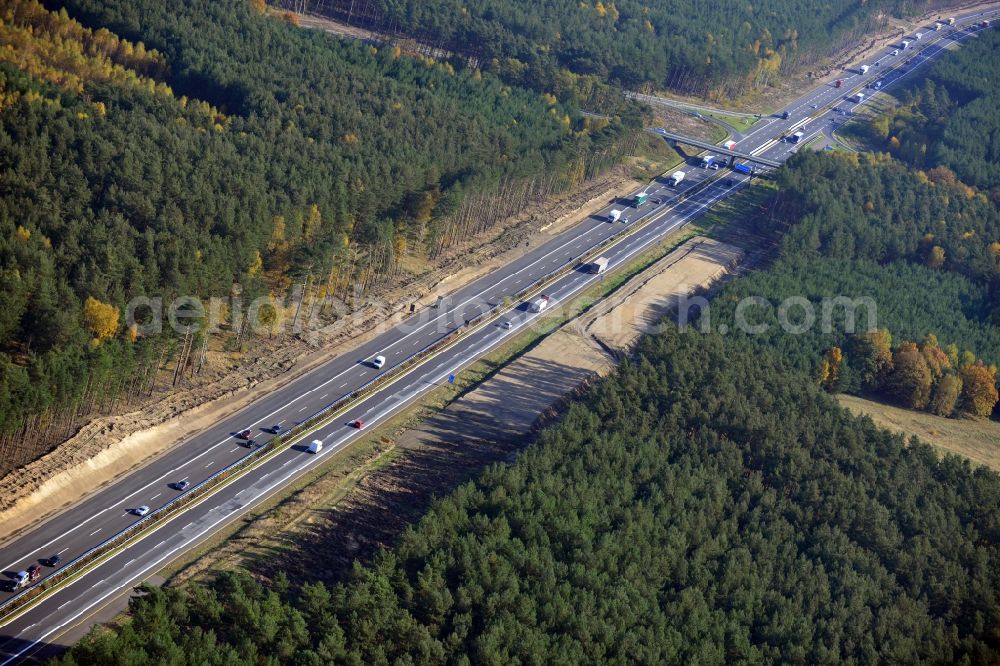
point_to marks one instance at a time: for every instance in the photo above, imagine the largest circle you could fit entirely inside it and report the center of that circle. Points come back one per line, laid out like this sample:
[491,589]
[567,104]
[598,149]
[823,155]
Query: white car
[141,511]
[507,323]
[378,361]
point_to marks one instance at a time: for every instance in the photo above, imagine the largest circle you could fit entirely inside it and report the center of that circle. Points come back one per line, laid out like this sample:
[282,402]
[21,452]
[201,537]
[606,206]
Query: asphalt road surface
[110,509]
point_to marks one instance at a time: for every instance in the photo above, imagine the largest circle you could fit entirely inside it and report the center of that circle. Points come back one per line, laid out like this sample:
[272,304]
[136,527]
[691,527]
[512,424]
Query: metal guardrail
[78,564]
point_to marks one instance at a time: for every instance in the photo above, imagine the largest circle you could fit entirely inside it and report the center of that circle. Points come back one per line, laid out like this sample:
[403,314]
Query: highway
[109,509]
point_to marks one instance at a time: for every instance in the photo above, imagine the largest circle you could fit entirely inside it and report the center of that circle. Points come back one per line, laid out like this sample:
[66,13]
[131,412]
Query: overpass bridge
[733,155]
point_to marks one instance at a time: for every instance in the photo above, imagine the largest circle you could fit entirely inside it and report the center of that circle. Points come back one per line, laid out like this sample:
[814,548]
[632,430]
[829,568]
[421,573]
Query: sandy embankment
[109,447]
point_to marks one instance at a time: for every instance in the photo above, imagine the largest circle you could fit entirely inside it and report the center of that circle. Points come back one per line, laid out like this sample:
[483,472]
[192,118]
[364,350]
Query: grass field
[739,123]
[653,156]
[977,440]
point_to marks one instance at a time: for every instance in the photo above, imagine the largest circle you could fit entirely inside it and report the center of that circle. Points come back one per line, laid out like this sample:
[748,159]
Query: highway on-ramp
[108,510]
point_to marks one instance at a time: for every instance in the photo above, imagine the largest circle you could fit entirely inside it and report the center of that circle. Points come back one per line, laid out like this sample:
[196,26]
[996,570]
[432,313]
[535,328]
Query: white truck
[951,21]
[675,178]
[598,266]
[918,35]
[938,25]
[614,215]
[539,303]
[905,44]
[864,69]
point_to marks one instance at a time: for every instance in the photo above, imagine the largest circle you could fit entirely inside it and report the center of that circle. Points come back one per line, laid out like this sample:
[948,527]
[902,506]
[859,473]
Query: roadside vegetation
[159,149]
[922,248]
[949,118]
[710,501]
[704,503]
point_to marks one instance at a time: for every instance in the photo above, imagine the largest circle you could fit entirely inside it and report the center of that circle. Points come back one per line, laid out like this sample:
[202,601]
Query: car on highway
[656,201]
[378,361]
[316,446]
[20,579]
[507,324]
[358,423]
[141,510]
[275,429]
[34,573]
[895,52]
[246,434]
[182,485]
[251,443]
[54,560]
[728,182]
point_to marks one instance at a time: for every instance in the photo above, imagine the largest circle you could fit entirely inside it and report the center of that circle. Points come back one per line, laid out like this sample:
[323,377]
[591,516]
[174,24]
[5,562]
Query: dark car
[54,560]
[729,182]
[182,485]
[784,115]
[275,429]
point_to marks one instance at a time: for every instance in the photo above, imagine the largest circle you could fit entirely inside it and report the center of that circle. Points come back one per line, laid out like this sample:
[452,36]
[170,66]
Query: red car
[359,424]
[246,434]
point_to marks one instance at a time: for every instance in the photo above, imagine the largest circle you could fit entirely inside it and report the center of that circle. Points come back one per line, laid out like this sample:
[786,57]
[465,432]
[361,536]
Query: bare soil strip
[323,527]
[109,447]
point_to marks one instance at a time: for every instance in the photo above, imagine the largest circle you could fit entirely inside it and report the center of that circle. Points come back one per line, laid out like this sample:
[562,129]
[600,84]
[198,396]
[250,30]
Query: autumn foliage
[54,47]
[101,319]
[979,389]
[919,376]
